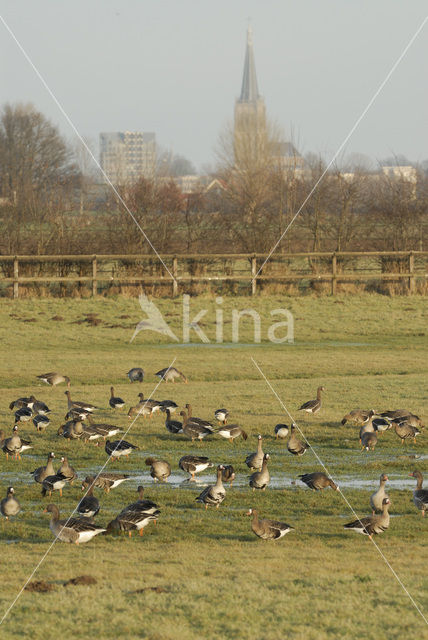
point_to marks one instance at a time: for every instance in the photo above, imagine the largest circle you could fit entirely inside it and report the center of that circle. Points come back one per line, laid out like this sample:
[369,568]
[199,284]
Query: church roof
[249,89]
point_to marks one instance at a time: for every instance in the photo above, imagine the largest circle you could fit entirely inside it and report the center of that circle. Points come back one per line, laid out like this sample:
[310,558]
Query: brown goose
[54,378]
[377,498]
[221,415]
[213,494]
[318,481]
[132,520]
[359,416]
[173,426]
[420,496]
[54,483]
[268,529]
[368,440]
[294,445]
[255,460]
[193,430]
[76,404]
[73,530]
[228,474]
[170,374]
[136,374]
[115,402]
[231,432]
[160,470]
[261,479]
[119,448]
[154,405]
[41,473]
[191,418]
[67,471]
[281,430]
[142,504]
[108,481]
[372,525]
[15,445]
[405,431]
[89,505]
[194,464]
[10,506]
[313,406]
[22,403]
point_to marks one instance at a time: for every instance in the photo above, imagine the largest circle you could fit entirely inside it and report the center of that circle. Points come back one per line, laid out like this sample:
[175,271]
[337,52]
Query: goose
[372,525]
[368,426]
[136,374]
[221,415]
[10,506]
[170,373]
[173,426]
[119,448]
[54,483]
[77,414]
[108,481]
[142,504]
[22,403]
[15,445]
[405,431]
[392,414]
[318,481]
[86,406]
[54,378]
[40,407]
[359,416]
[23,415]
[41,421]
[160,470]
[115,402]
[281,430]
[368,440]
[194,430]
[313,406]
[260,479]
[381,424]
[104,429]
[154,405]
[131,521]
[168,404]
[420,496]
[89,505]
[377,498]
[73,530]
[228,474]
[144,407]
[213,494]
[255,460]
[232,432]
[67,471]
[191,418]
[412,420]
[268,529]
[41,473]
[194,464]
[72,430]
[294,445]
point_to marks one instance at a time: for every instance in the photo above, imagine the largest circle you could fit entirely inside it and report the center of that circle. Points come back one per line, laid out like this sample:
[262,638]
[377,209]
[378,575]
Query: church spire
[249,89]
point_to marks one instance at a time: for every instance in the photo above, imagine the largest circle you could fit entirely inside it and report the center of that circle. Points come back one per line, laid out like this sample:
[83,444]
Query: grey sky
[175,67]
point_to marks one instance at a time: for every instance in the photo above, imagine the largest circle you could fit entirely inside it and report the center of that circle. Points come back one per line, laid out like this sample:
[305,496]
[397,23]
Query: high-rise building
[127,156]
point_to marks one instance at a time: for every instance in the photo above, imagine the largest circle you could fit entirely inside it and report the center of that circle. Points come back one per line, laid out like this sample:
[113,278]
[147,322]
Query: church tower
[250,113]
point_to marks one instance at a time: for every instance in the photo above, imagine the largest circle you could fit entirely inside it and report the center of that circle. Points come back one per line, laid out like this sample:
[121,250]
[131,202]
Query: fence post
[334,274]
[15,276]
[411,271]
[174,273]
[253,275]
[94,276]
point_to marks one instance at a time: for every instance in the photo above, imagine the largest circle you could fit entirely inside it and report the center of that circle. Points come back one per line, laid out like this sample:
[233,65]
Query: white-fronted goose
[10,506]
[22,403]
[173,426]
[318,481]
[71,430]
[104,429]
[160,470]
[23,415]
[154,405]
[412,420]
[77,414]
[40,407]
[221,415]
[377,498]
[381,424]
[359,416]
[108,481]
[255,460]
[77,404]
[132,520]
[54,378]
[420,495]
[372,525]
[193,430]
[73,530]
[67,470]
[170,374]
[168,404]
[405,431]
[15,445]
[313,406]
[368,440]
[294,445]
[146,407]
[213,494]
[268,529]
[89,506]
[231,432]
[142,504]
[201,421]
[401,413]
[119,448]
[136,374]
[194,464]
[41,473]
[228,474]
[281,430]
[115,402]
[41,421]
[54,483]
[260,479]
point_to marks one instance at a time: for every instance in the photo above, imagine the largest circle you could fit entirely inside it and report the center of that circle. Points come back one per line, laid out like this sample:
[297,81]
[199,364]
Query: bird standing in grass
[372,525]
[119,448]
[73,530]
[420,495]
[377,498]
[294,445]
[318,481]
[160,470]
[115,402]
[194,464]
[268,529]
[313,406]
[260,479]
[213,494]
[54,378]
[10,506]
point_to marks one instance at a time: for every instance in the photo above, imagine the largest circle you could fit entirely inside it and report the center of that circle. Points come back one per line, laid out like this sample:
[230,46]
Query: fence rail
[333,267]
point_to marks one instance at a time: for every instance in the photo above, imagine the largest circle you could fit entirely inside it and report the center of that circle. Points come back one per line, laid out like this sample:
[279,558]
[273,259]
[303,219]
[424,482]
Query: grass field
[215,578]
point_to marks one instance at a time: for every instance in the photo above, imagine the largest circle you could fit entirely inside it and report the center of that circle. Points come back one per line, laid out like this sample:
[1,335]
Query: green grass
[219,580]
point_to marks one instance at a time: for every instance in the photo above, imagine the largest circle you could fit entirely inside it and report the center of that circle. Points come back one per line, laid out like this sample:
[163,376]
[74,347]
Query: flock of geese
[80,425]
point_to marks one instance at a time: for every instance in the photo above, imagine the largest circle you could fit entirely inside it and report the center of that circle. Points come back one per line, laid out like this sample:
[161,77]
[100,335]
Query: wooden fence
[101,271]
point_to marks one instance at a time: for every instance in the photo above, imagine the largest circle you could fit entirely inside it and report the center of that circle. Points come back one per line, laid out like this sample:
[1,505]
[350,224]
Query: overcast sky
[175,67]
